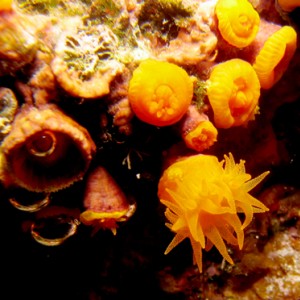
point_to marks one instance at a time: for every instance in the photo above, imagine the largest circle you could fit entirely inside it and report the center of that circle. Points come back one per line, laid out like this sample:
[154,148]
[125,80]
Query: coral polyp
[160,92]
[197,131]
[238,21]
[275,56]
[233,92]
[203,198]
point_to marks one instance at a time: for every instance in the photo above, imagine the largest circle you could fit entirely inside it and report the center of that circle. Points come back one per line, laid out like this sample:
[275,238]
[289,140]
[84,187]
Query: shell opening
[29,201]
[42,144]
[53,231]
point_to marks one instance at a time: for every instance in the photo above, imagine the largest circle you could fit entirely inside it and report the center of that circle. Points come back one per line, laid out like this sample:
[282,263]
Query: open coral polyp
[203,198]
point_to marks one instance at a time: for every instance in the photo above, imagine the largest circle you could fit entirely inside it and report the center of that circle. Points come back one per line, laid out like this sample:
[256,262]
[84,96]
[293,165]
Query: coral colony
[195,66]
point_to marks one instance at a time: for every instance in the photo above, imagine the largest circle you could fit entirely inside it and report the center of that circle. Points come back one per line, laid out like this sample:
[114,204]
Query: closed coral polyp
[275,56]
[160,92]
[238,22]
[203,198]
[202,136]
[233,92]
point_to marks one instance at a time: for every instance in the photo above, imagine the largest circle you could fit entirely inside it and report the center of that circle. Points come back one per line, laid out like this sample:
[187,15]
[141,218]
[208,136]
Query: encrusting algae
[204,197]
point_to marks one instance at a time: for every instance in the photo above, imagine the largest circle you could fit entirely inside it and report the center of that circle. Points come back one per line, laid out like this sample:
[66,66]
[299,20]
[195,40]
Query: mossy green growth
[54,7]
[104,11]
[200,91]
[164,17]
[40,6]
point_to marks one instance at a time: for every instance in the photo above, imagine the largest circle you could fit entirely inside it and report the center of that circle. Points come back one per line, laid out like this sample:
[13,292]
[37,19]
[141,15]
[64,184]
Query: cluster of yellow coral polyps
[203,198]
[238,22]
[233,92]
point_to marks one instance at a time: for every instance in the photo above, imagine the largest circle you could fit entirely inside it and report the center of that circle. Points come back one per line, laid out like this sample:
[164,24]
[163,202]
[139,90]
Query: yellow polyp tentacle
[214,236]
[197,254]
[173,207]
[227,235]
[195,229]
[171,216]
[185,205]
[178,238]
[235,222]
[179,224]
[250,184]
[248,212]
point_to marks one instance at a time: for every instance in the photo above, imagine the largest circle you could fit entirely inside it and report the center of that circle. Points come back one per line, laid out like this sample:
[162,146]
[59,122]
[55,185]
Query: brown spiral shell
[46,150]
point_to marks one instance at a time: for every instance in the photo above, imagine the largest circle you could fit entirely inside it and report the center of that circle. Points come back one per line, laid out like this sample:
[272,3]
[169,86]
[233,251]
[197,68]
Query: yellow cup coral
[202,136]
[203,198]
[275,56]
[238,22]
[196,130]
[160,92]
[233,92]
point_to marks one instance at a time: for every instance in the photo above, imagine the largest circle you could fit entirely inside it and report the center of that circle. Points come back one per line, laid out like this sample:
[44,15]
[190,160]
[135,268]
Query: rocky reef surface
[99,98]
